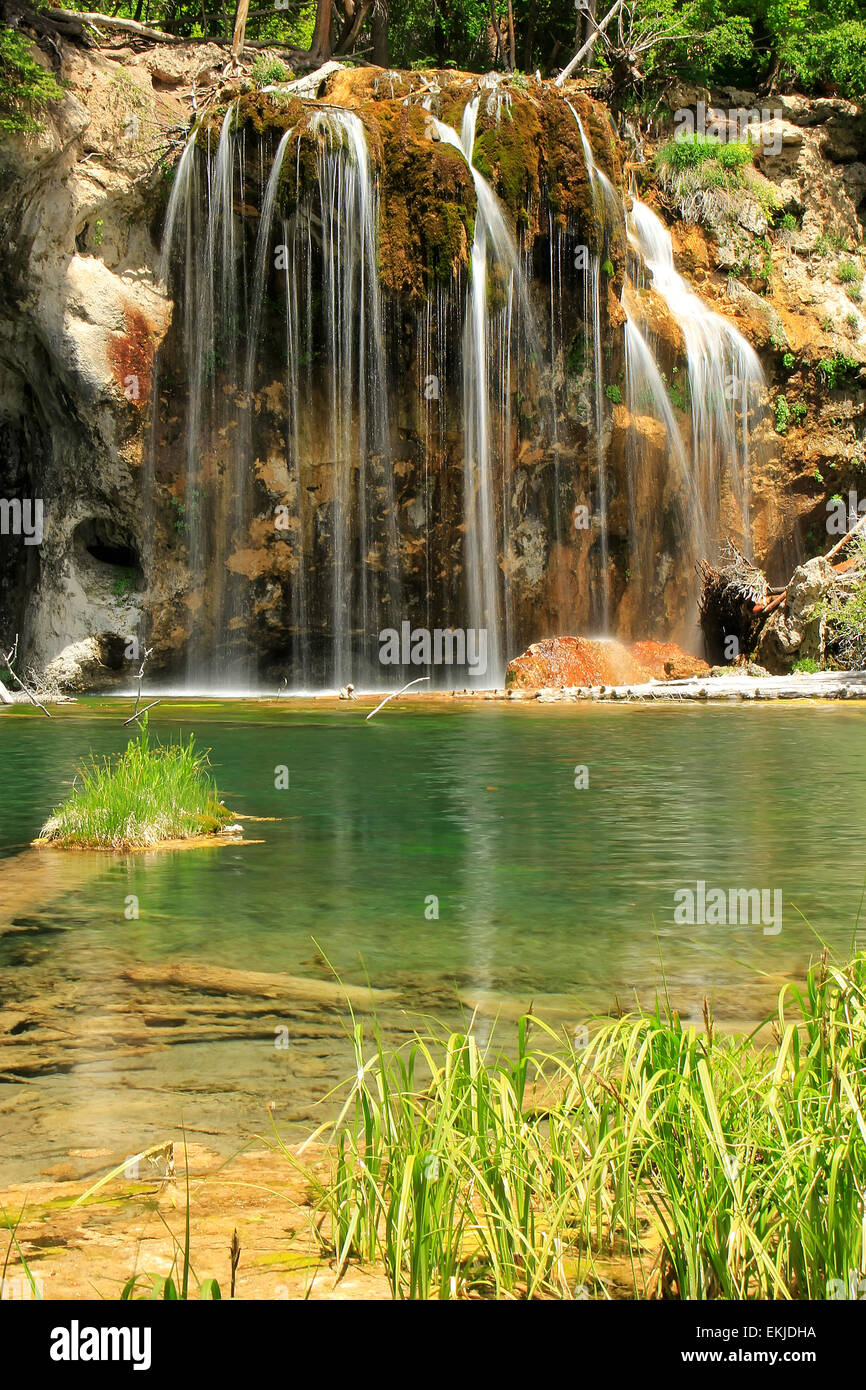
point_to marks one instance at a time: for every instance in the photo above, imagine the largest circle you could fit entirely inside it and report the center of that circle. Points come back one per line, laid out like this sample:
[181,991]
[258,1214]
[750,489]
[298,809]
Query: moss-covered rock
[428,205]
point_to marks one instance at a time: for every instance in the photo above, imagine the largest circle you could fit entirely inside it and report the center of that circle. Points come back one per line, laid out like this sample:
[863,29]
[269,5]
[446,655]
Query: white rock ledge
[823,685]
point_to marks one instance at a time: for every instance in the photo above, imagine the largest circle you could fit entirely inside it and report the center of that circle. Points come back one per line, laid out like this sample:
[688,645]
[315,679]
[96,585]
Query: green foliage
[268,72]
[690,151]
[806,666]
[146,795]
[613,394]
[835,369]
[705,173]
[678,390]
[124,583]
[575,363]
[848,273]
[717,1169]
[181,523]
[25,85]
[819,41]
[782,414]
[846,616]
[806,44]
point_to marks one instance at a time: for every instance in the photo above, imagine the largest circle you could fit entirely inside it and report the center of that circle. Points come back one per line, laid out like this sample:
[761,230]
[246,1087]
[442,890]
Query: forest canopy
[813,46]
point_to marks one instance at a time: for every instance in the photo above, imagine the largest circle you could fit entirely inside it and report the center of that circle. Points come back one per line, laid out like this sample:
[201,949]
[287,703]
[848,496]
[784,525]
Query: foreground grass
[146,795]
[701,1166]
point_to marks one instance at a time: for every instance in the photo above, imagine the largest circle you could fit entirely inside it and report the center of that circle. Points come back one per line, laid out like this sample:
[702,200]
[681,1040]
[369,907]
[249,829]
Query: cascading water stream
[487,349]
[726,383]
[609,210]
[286,357]
[331,238]
[365,586]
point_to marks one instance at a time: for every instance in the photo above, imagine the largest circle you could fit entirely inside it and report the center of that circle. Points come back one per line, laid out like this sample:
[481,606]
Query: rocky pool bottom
[445,859]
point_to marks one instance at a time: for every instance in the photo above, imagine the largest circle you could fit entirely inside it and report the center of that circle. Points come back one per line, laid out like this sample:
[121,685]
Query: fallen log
[218,979]
[765,609]
[107,21]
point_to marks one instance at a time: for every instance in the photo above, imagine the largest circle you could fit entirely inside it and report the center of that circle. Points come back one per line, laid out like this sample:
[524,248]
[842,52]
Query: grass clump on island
[148,794]
[660,1160]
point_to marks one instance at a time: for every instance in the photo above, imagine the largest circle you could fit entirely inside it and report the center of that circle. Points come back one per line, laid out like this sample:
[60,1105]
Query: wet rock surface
[85,316]
[560,662]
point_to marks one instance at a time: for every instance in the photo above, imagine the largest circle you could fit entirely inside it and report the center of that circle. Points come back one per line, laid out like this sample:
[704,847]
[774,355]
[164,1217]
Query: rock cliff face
[91,339]
[81,318]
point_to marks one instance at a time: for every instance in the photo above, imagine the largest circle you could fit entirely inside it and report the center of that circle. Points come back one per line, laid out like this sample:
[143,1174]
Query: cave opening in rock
[101,540]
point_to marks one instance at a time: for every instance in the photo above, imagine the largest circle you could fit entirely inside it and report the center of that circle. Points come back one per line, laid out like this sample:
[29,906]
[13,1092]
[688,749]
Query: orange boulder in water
[558,662]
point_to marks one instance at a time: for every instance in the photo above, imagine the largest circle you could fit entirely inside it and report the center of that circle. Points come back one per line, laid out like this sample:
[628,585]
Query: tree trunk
[512,50]
[529,43]
[240,32]
[439,39]
[582,52]
[320,48]
[590,29]
[497,46]
[356,13]
[379,31]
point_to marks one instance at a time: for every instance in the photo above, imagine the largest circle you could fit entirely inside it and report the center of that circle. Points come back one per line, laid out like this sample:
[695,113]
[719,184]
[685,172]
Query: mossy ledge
[527,146]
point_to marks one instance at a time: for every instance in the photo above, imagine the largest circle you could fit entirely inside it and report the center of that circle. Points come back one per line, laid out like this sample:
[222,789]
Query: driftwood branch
[8,658]
[394,695]
[589,45]
[147,652]
[779,599]
[107,21]
[138,714]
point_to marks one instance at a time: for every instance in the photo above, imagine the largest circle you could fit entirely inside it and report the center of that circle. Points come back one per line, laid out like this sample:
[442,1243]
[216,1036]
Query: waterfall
[487,356]
[279,394]
[726,383]
[609,210]
[330,241]
[646,393]
[357,383]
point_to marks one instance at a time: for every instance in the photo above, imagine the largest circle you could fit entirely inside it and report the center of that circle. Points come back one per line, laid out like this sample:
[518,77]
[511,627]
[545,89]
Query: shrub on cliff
[845,612]
[25,86]
[708,178]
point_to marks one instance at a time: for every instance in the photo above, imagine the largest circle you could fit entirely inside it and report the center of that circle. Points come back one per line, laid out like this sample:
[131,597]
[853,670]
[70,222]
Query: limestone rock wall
[82,315]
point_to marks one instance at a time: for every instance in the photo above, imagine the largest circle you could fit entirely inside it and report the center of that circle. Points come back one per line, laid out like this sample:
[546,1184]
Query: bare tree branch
[8,658]
[589,45]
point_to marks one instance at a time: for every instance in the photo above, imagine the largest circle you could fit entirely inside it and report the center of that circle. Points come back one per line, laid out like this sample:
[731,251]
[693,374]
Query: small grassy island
[149,794]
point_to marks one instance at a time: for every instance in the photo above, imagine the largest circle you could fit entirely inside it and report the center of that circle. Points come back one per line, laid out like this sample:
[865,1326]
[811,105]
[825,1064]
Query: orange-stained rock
[557,662]
[667,661]
[566,661]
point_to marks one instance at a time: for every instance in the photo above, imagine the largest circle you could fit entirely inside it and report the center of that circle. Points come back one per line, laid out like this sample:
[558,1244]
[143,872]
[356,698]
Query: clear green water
[545,892]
